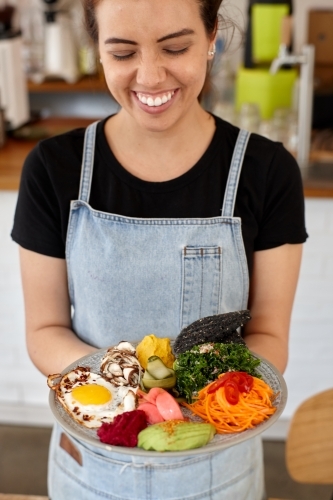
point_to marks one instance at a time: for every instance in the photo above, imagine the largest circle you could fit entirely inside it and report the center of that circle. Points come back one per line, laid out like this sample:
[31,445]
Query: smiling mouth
[155,101]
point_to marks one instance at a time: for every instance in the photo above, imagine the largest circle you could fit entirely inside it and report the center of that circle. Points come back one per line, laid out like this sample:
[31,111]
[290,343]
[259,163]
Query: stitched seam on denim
[98,456]
[208,494]
[182,297]
[87,165]
[68,246]
[233,177]
[148,482]
[231,191]
[236,479]
[234,173]
[200,251]
[183,463]
[243,264]
[210,476]
[194,254]
[202,272]
[220,280]
[192,497]
[151,221]
[168,222]
[86,486]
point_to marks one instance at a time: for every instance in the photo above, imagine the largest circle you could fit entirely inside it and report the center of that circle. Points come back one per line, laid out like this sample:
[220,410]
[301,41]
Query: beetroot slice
[124,429]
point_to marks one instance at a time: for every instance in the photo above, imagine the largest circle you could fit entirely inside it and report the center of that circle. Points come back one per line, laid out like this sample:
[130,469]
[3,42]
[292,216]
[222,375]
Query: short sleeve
[37,221]
[283,219]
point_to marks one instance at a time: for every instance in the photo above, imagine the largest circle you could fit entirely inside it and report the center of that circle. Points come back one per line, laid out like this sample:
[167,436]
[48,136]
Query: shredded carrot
[252,408]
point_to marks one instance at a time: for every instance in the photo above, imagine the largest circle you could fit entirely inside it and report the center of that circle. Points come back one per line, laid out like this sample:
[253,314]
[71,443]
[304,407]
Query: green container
[266,30]
[268,91]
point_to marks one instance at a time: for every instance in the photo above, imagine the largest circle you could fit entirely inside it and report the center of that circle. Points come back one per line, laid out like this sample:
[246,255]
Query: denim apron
[129,277]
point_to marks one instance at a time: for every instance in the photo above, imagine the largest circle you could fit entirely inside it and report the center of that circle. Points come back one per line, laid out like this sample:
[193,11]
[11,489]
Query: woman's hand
[272,291]
[52,345]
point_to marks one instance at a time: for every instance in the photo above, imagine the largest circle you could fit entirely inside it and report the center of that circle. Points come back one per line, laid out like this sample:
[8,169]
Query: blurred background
[272,74]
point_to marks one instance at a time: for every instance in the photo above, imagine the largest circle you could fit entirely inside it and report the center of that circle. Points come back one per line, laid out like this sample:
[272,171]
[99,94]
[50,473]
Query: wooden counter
[318,179]
[14,152]
[7,496]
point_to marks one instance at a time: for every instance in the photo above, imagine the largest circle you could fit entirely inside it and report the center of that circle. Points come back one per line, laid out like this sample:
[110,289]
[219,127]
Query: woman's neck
[157,156]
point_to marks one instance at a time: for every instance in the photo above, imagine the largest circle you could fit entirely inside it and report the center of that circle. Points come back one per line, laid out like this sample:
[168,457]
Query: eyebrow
[166,37]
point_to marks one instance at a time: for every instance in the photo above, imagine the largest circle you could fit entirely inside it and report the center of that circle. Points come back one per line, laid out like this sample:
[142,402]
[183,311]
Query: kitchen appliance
[13,87]
[60,51]
[263,30]
[305,59]
[269,91]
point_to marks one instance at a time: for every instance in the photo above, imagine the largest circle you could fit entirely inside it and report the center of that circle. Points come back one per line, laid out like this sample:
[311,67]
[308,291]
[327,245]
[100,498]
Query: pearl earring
[212,52]
[100,61]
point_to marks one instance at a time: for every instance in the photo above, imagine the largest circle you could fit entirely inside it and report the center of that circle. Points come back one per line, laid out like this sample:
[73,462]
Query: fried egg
[89,398]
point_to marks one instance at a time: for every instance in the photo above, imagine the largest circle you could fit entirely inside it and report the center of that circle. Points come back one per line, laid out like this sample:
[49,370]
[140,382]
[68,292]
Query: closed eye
[176,52]
[172,52]
[123,57]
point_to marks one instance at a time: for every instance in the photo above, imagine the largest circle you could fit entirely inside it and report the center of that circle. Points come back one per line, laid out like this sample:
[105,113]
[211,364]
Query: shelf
[85,84]
[321,156]
[317,180]
[14,152]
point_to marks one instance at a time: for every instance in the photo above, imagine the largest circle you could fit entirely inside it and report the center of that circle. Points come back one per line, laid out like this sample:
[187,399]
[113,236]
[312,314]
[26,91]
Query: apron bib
[129,277]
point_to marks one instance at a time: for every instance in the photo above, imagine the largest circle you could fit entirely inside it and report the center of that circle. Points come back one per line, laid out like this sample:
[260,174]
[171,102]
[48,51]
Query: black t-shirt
[269,198]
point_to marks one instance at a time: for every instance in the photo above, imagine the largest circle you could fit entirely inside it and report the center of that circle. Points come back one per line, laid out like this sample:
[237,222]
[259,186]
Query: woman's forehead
[154,13]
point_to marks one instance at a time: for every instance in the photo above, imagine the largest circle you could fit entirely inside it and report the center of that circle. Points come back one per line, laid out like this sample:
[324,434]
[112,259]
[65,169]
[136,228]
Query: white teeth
[158,101]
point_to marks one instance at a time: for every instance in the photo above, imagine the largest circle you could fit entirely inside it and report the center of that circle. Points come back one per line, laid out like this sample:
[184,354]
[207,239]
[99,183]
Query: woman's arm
[52,345]
[272,291]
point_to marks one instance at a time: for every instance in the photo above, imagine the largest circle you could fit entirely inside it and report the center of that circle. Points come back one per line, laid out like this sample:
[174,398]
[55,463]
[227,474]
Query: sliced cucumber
[148,376]
[164,383]
[157,368]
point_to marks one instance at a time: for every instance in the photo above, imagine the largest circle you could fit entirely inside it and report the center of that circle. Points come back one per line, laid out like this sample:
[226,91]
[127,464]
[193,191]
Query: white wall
[311,361]
[23,390]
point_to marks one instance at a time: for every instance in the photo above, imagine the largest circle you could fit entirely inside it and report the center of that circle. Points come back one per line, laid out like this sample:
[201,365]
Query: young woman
[148,220]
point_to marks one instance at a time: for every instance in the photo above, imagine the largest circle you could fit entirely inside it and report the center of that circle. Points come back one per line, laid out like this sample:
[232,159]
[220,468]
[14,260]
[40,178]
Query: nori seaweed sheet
[221,328]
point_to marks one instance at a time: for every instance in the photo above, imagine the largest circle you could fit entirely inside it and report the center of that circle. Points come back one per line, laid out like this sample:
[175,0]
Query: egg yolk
[91,394]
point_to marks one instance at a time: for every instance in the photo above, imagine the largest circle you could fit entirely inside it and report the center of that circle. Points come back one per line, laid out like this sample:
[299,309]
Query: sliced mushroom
[115,369]
[125,346]
[129,401]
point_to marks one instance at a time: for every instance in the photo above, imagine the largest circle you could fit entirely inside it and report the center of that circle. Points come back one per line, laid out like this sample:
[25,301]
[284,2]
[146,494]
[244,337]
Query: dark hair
[208,11]
[212,20]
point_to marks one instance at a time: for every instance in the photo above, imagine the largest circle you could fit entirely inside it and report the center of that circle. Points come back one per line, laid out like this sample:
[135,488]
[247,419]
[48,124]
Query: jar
[249,117]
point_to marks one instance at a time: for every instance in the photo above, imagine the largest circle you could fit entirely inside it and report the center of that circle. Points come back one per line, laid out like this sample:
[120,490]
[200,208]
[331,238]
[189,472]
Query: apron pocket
[202,279]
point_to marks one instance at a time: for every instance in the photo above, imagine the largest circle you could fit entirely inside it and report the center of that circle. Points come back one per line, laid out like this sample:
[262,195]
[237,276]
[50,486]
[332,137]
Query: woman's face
[154,55]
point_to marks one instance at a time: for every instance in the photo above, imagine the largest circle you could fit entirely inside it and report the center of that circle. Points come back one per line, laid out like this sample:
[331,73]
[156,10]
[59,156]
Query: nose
[150,71]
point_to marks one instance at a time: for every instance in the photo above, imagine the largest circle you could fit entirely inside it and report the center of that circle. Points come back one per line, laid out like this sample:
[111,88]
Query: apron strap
[234,174]
[87,165]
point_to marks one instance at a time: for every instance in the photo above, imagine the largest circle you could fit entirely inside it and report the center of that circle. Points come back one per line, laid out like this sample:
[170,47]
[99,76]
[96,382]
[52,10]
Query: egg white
[93,415]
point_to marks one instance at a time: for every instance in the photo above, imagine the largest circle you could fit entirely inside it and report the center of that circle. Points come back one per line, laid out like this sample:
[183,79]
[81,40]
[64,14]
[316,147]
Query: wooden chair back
[309,447]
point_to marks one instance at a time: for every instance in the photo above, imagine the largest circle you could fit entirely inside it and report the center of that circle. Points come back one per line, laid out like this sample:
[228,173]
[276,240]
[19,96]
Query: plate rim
[236,438]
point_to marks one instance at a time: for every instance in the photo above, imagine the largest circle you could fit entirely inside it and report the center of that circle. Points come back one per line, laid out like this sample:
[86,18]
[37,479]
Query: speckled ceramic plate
[269,374]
